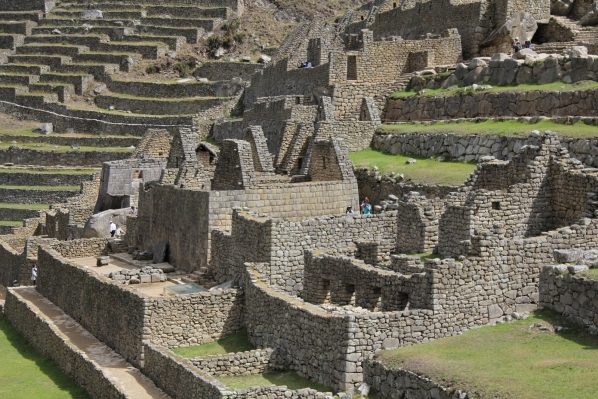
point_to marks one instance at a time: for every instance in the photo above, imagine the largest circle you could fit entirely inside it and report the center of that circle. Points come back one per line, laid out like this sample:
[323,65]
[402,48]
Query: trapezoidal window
[352,67]
[495,205]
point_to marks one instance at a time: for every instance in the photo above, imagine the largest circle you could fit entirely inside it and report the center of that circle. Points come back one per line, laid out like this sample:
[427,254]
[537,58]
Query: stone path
[128,378]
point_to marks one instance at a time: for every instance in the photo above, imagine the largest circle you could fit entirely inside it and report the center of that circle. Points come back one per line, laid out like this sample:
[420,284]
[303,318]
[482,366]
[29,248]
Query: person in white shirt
[112,228]
[34,274]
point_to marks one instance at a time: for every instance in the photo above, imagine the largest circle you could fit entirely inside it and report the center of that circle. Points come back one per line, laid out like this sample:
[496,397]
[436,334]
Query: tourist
[528,44]
[34,274]
[516,45]
[302,65]
[366,207]
[349,210]
[308,64]
[133,210]
[112,228]
[16,283]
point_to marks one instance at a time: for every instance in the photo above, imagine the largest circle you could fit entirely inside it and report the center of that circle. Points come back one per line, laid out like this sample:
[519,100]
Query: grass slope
[24,206]
[236,342]
[509,361]
[288,378]
[25,374]
[493,127]
[11,222]
[423,171]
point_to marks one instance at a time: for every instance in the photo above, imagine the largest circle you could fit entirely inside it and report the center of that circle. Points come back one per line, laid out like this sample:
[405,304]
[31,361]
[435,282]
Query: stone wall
[49,341]
[70,158]
[215,71]
[242,363]
[570,295]
[92,300]
[11,263]
[404,383]
[193,319]
[473,147]
[18,214]
[492,104]
[82,248]
[42,179]
[356,134]
[33,196]
[417,223]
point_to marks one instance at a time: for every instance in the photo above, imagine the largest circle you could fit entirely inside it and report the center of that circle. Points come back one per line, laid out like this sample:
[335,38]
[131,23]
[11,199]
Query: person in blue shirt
[366,207]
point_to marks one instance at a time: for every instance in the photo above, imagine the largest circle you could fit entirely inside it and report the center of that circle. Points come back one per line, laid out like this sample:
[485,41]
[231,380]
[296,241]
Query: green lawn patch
[288,378]
[25,374]
[11,222]
[44,188]
[509,361]
[590,273]
[234,343]
[423,171]
[493,127]
[24,206]
[455,90]
[50,171]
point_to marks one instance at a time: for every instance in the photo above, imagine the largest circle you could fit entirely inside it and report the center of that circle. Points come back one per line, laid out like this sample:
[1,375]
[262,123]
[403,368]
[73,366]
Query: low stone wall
[110,312]
[195,318]
[11,263]
[70,158]
[99,141]
[49,341]
[18,196]
[473,147]
[17,214]
[83,247]
[156,106]
[400,383]
[242,363]
[492,104]
[572,296]
[165,90]
[228,130]
[42,179]
[215,71]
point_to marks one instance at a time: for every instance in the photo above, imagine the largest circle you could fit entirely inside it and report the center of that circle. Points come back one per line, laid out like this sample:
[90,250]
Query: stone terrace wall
[492,104]
[242,363]
[42,179]
[11,263]
[356,134]
[47,339]
[404,383]
[572,296]
[83,247]
[110,312]
[193,319]
[215,71]
[473,147]
[69,158]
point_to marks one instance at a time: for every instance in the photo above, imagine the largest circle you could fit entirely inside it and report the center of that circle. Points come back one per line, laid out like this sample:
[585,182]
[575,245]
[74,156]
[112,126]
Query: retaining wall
[18,196]
[70,158]
[42,179]
[242,363]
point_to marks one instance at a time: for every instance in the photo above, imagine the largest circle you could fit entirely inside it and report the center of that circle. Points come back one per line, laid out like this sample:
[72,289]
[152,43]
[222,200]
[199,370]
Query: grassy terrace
[62,148]
[24,206]
[25,374]
[493,127]
[11,222]
[236,342]
[511,360]
[288,378]
[423,171]
[455,90]
[44,188]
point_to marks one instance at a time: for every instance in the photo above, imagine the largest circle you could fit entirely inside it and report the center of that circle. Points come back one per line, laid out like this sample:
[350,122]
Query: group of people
[306,64]
[517,46]
[366,207]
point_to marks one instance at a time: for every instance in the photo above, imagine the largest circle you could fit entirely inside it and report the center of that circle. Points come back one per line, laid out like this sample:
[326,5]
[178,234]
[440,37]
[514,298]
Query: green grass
[453,91]
[509,361]
[236,342]
[288,378]
[50,171]
[423,171]
[25,374]
[590,273]
[44,188]
[11,222]
[493,127]
[24,206]
[61,148]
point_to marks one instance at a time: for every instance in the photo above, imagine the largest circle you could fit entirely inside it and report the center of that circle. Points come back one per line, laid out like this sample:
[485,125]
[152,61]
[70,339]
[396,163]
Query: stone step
[132,4]
[83,40]
[17,27]
[19,79]
[149,51]
[35,100]
[198,23]
[24,69]
[21,15]
[52,60]
[192,35]
[82,82]
[84,358]
[158,106]
[11,42]
[64,91]
[52,49]
[125,61]
[173,42]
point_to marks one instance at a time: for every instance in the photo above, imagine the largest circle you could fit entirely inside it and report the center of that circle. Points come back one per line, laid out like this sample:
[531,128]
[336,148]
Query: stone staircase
[579,34]
[50,59]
